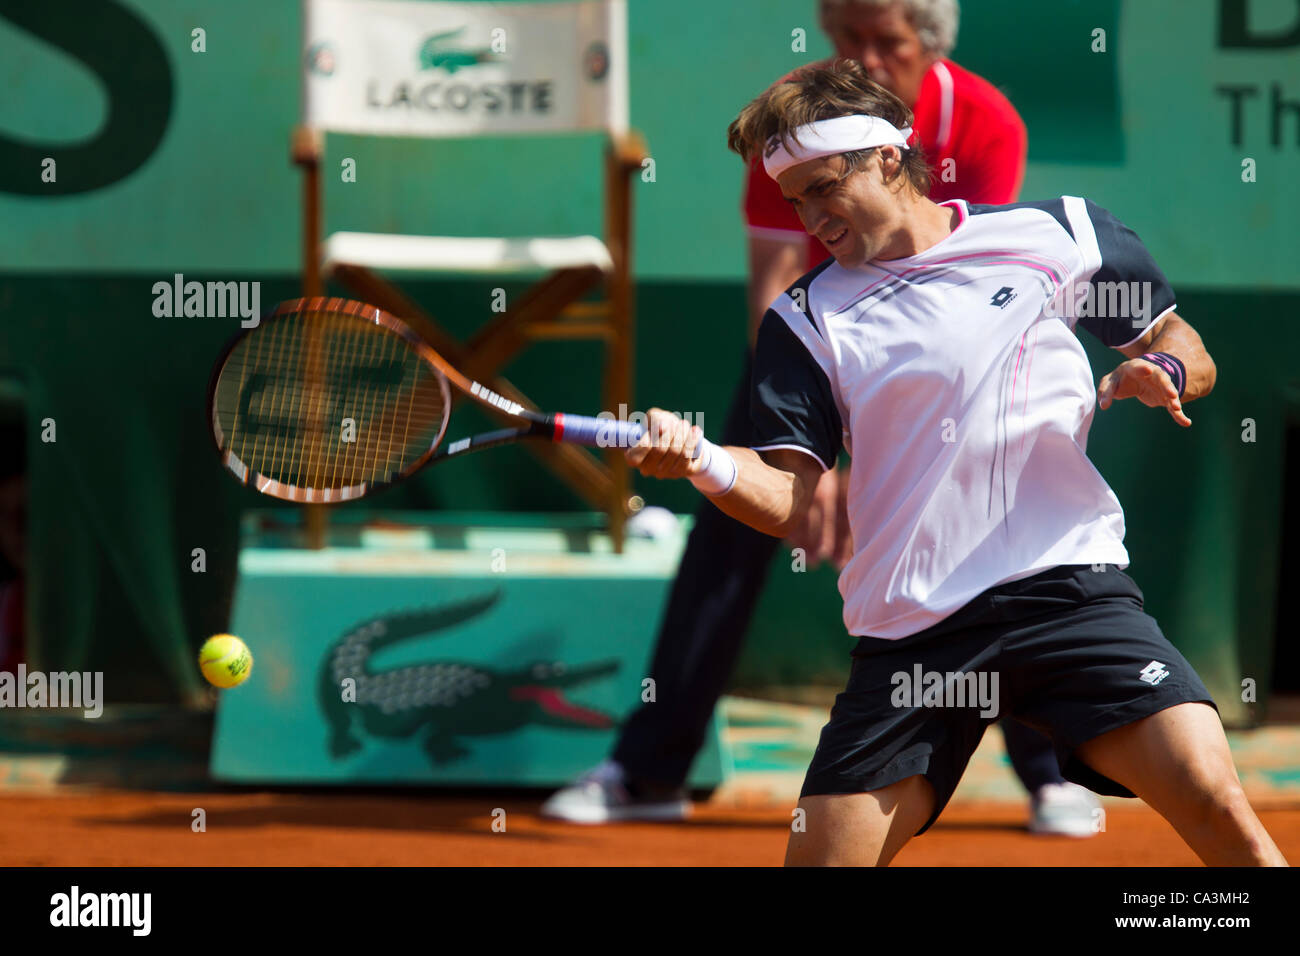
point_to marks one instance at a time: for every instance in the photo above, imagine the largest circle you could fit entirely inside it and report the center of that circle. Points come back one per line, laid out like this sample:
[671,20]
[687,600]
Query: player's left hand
[1149,384]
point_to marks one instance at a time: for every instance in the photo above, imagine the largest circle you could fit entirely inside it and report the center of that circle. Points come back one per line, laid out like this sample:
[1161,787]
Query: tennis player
[976,145]
[938,348]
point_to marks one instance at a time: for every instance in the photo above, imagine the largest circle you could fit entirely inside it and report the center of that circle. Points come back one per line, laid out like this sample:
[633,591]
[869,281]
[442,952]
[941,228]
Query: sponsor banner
[455,69]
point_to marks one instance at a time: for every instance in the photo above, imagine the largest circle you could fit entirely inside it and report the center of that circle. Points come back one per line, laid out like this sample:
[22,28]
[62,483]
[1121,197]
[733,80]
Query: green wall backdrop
[130,487]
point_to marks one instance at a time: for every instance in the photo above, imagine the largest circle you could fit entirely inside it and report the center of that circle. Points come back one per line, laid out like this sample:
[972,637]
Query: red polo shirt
[973,137]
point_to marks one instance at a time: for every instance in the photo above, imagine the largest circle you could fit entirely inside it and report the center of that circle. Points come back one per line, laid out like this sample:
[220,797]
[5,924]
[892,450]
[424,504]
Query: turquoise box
[459,650]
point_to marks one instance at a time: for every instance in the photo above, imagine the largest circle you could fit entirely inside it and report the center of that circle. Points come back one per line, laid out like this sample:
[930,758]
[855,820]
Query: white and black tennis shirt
[955,381]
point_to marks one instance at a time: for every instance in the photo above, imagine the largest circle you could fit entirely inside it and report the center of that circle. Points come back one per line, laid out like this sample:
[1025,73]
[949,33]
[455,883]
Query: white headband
[831,136]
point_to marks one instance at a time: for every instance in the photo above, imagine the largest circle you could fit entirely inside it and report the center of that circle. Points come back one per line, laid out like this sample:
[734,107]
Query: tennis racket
[327,400]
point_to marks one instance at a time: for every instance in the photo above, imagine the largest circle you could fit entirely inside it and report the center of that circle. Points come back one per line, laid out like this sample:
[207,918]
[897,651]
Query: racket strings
[328,401]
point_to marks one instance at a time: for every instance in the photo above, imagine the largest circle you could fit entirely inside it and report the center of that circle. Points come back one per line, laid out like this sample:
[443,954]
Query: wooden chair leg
[306,148]
[618,365]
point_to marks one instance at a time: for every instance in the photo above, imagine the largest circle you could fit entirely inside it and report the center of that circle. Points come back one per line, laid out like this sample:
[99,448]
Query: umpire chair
[463,70]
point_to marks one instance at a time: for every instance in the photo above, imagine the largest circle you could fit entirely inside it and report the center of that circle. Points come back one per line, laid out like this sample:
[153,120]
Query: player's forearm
[765,498]
[770,498]
[1180,340]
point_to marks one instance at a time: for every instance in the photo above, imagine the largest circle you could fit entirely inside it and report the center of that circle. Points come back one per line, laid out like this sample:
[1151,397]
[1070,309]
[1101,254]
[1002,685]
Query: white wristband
[718,474]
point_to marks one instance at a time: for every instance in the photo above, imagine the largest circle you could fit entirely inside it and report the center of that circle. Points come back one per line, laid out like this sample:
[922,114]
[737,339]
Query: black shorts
[1069,652]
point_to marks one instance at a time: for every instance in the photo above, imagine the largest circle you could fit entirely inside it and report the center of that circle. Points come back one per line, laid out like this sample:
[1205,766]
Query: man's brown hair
[815,93]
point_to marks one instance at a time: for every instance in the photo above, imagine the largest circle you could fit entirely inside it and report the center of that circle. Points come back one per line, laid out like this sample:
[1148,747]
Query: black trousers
[722,571]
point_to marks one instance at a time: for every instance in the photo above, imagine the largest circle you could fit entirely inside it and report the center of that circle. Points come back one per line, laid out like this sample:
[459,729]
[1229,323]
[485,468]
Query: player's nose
[814,217]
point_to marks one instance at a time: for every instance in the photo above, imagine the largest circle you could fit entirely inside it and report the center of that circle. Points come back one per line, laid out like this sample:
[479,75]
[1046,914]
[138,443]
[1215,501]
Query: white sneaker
[601,796]
[1065,809]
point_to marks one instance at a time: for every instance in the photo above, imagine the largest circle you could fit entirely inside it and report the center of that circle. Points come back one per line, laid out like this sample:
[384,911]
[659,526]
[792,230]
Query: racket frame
[246,475]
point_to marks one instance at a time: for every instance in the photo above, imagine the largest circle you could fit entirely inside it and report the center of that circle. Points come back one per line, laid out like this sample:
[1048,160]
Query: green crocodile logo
[448,700]
[439,53]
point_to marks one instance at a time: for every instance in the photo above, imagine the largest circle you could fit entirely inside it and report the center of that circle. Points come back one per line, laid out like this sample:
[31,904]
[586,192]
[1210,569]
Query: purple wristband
[1172,367]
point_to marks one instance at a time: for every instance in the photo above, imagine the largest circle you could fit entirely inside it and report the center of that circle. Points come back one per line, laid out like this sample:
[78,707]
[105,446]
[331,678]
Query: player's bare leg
[1178,761]
[860,829]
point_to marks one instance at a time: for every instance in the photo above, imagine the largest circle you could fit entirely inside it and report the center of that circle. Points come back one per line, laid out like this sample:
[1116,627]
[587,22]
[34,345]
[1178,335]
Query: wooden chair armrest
[307,146]
[629,149]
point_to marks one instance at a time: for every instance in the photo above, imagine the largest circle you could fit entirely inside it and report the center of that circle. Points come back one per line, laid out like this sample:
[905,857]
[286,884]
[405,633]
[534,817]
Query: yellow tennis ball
[225,660]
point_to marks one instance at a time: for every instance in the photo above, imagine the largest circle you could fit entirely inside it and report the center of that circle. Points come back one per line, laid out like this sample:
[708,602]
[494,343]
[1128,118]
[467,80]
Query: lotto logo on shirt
[1003,296]
[1154,673]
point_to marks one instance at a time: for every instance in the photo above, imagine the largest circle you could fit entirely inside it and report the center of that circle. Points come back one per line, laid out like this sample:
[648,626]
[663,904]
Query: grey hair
[935,21]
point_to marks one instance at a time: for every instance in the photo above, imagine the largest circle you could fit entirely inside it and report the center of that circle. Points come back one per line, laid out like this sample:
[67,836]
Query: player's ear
[891,163]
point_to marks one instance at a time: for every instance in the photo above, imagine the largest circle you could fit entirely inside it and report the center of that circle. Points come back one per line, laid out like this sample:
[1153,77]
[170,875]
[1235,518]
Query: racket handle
[596,432]
[717,472]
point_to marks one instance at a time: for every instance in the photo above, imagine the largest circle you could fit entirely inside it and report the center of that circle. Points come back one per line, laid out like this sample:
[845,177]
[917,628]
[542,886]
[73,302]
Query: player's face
[857,217]
[881,39]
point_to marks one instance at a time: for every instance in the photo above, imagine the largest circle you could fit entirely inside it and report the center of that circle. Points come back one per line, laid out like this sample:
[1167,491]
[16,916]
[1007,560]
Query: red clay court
[115,828]
[111,820]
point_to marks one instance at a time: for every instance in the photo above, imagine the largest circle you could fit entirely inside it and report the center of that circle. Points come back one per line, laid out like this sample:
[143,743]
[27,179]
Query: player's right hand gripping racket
[327,400]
